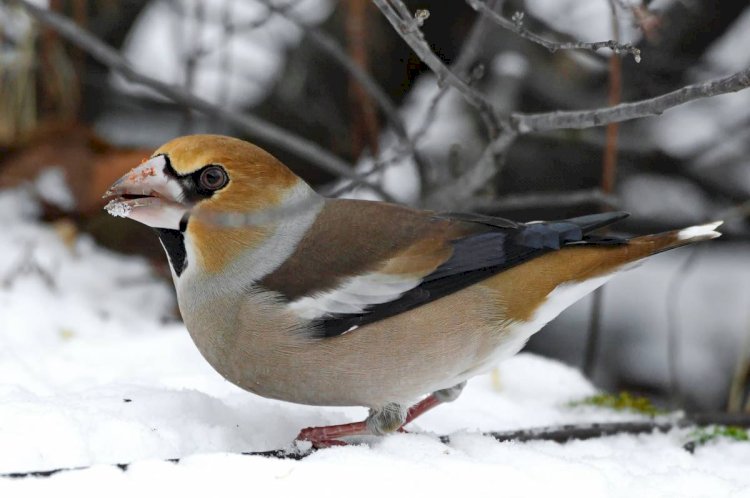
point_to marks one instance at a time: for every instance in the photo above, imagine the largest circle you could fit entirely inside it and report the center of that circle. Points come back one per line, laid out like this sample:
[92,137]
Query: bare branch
[329,45]
[474,42]
[526,123]
[559,434]
[250,124]
[408,27]
[516,25]
[566,433]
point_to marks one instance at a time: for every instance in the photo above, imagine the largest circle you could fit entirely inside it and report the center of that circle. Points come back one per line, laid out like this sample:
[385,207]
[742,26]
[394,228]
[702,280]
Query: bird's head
[188,183]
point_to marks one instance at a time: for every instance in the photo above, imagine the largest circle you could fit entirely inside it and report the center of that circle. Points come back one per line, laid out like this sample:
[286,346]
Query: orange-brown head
[189,183]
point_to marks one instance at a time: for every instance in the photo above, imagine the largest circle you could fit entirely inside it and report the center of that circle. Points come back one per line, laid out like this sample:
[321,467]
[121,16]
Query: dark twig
[559,434]
[337,53]
[591,431]
[521,123]
[252,125]
[408,27]
[527,123]
[465,65]
[475,43]
[516,25]
[365,129]
[609,162]
[609,172]
[461,66]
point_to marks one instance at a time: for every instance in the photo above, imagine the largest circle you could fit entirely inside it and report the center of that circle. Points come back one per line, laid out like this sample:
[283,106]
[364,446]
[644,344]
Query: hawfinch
[348,302]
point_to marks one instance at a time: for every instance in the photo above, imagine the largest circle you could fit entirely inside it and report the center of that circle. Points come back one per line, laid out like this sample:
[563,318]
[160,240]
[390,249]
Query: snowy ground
[92,374]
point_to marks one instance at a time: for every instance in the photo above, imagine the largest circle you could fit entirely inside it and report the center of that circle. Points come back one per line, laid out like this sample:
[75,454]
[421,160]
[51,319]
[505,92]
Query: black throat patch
[174,243]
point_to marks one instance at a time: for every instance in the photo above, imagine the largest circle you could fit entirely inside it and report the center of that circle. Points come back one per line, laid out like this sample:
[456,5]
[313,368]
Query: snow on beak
[148,195]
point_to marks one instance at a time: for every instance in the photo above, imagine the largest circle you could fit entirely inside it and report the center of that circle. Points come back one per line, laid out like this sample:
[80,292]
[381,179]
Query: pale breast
[397,359]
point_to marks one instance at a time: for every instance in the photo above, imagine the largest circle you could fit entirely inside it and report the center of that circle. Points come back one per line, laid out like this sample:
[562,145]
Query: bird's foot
[328,436]
[390,418]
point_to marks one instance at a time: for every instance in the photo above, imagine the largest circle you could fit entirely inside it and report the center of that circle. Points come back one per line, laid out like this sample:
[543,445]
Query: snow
[710,314]
[236,68]
[92,372]
[52,187]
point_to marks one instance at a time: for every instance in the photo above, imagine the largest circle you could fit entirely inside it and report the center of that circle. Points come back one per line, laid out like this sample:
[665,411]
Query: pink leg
[423,406]
[327,436]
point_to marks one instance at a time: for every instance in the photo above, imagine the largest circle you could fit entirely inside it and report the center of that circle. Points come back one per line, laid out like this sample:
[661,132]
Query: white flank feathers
[557,301]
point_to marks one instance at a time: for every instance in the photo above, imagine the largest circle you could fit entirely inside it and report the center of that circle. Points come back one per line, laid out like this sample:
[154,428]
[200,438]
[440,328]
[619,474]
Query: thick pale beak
[148,195]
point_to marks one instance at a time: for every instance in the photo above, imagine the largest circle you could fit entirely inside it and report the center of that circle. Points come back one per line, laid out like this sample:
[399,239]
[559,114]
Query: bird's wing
[363,261]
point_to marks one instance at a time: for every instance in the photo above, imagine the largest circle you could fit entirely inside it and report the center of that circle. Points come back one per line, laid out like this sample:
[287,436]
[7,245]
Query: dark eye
[213,178]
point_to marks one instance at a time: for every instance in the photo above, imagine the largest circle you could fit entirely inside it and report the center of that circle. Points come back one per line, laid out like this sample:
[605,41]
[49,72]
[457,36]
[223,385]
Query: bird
[294,296]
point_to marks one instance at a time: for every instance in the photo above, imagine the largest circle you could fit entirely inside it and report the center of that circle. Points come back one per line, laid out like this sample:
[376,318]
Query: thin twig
[337,53]
[408,27]
[609,172]
[474,43]
[261,129]
[516,25]
[538,122]
[522,123]
[365,126]
[609,162]
[464,66]
[461,66]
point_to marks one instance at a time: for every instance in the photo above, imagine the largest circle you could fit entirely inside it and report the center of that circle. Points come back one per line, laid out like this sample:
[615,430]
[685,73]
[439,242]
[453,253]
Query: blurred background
[336,74]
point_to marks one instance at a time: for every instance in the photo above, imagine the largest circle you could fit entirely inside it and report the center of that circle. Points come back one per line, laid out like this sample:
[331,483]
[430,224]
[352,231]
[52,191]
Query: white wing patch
[355,295]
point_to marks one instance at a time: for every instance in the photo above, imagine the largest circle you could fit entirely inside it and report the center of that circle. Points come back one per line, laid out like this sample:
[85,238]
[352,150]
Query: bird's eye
[213,178]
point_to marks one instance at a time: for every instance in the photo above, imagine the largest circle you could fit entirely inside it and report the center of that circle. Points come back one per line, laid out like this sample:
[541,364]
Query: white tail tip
[700,232]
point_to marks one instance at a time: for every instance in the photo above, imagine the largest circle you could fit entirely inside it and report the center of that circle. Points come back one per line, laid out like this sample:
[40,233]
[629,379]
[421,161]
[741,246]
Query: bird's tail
[647,245]
[583,261]
[579,268]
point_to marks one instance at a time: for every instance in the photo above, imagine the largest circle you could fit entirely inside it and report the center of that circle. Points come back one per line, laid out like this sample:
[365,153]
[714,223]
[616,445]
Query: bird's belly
[397,359]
